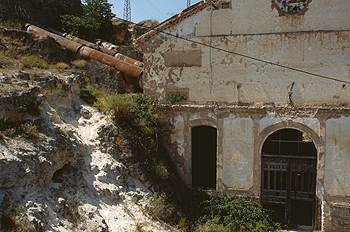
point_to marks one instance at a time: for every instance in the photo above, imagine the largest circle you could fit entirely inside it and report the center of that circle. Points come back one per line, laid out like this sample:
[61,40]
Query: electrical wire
[141,9]
[156,8]
[251,57]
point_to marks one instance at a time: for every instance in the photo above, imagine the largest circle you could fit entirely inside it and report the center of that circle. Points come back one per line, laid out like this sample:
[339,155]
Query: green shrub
[19,209]
[212,226]
[160,208]
[79,63]
[236,213]
[175,97]
[90,95]
[14,24]
[9,132]
[16,221]
[94,23]
[61,65]
[29,130]
[34,61]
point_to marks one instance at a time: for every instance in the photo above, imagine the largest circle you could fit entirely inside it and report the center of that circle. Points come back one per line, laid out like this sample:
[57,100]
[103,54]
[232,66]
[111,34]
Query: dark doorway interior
[204,146]
[289,176]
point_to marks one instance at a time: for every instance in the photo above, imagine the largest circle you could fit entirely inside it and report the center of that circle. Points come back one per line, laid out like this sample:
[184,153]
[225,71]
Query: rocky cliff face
[39,12]
[62,176]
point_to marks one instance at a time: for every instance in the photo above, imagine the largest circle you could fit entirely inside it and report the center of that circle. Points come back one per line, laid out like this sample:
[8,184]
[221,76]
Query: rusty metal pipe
[107,51]
[132,72]
[42,32]
[128,59]
[81,41]
[111,47]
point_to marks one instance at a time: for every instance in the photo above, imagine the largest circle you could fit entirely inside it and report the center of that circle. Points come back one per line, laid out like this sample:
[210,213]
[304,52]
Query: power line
[156,8]
[253,58]
[142,9]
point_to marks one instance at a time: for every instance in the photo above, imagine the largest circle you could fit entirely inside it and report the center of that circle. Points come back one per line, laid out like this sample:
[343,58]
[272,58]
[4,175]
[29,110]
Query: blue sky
[150,9]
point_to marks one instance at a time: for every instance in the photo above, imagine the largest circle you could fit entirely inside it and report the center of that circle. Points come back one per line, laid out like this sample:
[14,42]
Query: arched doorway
[288,184]
[203,156]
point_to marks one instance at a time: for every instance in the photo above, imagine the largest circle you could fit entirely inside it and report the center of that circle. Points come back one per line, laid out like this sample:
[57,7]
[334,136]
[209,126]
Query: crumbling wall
[242,132]
[219,76]
[262,17]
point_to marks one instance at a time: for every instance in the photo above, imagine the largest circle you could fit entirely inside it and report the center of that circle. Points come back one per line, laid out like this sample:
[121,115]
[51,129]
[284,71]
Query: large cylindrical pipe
[132,72]
[128,59]
[81,41]
[107,51]
[113,47]
[67,44]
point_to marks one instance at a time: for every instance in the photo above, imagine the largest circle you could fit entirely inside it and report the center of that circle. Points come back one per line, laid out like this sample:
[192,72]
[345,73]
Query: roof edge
[176,19]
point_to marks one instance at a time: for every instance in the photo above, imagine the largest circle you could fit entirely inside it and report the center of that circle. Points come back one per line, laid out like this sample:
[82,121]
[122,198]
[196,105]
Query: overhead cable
[251,57]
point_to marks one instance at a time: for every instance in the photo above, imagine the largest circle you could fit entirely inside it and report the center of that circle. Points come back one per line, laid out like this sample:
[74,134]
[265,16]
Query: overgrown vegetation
[79,63]
[27,130]
[34,61]
[94,23]
[12,49]
[234,213]
[144,122]
[18,50]
[15,221]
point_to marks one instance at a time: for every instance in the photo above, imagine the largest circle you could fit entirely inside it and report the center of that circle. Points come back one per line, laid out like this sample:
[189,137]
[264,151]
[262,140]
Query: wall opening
[288,186]
[203,154]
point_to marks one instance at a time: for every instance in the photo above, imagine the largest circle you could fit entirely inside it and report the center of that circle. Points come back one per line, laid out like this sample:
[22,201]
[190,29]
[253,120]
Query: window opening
[203,153]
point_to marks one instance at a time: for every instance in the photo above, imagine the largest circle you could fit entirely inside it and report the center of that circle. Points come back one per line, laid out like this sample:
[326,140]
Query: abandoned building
[266,110]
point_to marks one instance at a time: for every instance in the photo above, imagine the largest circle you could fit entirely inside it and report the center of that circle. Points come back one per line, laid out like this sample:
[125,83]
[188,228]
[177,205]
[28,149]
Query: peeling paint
[247,100]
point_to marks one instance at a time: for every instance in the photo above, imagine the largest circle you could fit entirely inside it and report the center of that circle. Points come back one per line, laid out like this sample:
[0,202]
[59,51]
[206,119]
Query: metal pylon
[188,3]
[127,10]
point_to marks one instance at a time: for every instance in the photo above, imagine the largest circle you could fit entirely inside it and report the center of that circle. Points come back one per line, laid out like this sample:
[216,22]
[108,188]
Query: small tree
[96,21]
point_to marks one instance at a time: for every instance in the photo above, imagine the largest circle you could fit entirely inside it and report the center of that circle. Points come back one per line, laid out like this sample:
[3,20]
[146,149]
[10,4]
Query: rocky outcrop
[64,177]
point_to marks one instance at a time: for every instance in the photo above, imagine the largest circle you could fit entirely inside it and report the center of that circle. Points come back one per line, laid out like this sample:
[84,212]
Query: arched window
[288,186]
[203,156]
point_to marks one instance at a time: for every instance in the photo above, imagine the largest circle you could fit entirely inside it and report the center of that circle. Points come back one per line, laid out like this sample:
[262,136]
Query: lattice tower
[127,10]
[188,3]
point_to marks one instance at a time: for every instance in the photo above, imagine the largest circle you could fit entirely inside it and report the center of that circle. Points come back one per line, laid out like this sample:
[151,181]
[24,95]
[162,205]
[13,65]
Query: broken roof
[194,9]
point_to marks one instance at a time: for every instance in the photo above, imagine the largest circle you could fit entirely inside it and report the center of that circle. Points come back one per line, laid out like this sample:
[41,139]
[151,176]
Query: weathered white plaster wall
[308,120]
[337,161]
[317,41]
[238,153]
[230,78]
[261,17]
[178,134]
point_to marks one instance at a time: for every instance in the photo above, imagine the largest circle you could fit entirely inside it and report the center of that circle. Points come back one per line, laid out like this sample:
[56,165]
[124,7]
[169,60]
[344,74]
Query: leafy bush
[16,221]
[61,65]
[90,95]
[27,130]
[79,63]
[160,208]
[19,209]
[236,213]
[34,61]
[95,22]
[14,24]
[83,27]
